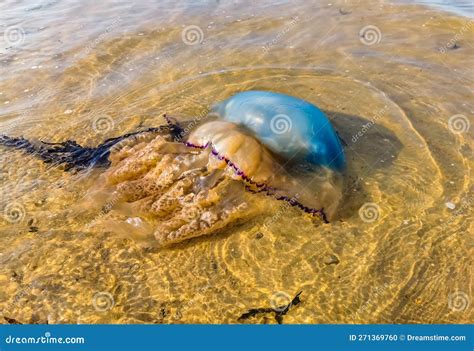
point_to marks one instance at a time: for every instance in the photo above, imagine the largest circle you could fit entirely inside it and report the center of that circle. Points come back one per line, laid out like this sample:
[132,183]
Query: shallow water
[399,93]
[461,7]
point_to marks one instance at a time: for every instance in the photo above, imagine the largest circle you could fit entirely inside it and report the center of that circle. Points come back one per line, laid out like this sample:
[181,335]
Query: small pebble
[40,202]
[259,235]
[450,205]
[331,259]
[135,221]
[67,112]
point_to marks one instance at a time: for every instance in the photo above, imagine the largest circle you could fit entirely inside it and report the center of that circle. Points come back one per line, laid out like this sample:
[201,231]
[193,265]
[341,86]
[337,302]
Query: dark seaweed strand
[279,312]
[262,187]
[11,320]
[175,127]
[71,154]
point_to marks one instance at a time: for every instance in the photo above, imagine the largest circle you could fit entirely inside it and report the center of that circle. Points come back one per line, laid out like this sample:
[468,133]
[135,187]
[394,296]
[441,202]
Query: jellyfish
[169,186]
[289,126]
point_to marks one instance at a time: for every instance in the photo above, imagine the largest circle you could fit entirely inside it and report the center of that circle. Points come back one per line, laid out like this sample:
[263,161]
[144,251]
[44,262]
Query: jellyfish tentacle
[269,191]
[260,186]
